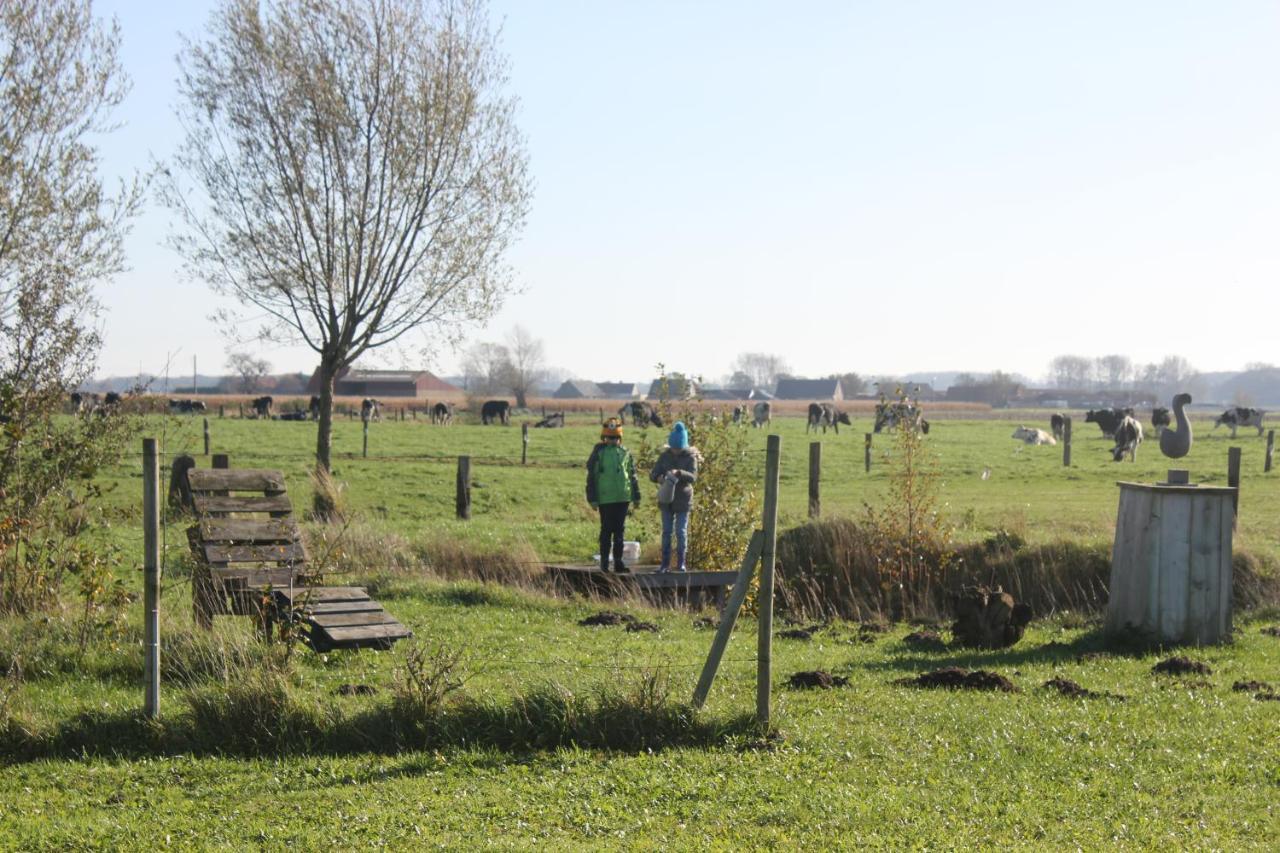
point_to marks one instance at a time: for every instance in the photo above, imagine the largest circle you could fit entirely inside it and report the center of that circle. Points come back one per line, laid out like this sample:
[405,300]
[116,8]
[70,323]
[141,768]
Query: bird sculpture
[1176,443]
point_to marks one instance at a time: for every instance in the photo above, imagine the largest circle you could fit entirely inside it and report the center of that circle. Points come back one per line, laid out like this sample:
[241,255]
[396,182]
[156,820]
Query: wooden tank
[1171,563]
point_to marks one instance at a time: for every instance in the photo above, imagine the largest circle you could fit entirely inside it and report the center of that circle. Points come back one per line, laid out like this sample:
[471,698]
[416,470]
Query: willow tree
[351,172]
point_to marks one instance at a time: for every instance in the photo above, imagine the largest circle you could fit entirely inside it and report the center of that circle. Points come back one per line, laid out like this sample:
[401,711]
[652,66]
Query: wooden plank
[235,480]
[366,632]
[260,578]
[365,606]
[276,552]
[346,620]
[1175,566]
[252,530]
[1225,570]
[319,594]
[249,503]
[727,619]
[1202,596]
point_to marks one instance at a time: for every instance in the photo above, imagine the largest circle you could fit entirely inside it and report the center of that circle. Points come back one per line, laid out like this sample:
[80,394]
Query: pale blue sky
[873,186]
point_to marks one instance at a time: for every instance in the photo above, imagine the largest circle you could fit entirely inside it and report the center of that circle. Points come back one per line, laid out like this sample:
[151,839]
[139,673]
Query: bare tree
[483,366]
[1071,371]
[249,371]
[360,168]
[1115,371]
[60,232]
[763,368]
[524,367]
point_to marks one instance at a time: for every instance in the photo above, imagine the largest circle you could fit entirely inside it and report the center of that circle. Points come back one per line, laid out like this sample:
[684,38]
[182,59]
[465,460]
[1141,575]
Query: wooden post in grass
[151,574]
[1271,449]
[365,450]
[221,460]
[240,410]
[815,479]
[463,500]
[866,452]
[1066,441]
[602,417]
[221,413]
[764,642]
[524,442]
[728,617]
[206,436]
[1233,477]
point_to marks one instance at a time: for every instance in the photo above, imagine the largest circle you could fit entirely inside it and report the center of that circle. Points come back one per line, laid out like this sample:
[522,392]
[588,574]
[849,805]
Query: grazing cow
[1107,419]
[891,415]
[442,413]
[84,402]
[369,410]
[187,407]
[642,414]
[1030,435]
[761,414]
[1160,419]
[262,407]
[313,408]
[1128,436]
[825,415]
[495,412]
[1058,424]
[552,421]
[1239,416]
[112,400]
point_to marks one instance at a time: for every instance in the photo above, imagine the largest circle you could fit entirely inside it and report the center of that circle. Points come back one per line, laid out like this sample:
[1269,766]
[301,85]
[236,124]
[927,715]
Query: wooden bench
[251,561]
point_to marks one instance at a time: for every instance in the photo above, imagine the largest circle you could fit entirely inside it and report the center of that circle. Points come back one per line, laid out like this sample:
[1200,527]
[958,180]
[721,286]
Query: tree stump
[988,618]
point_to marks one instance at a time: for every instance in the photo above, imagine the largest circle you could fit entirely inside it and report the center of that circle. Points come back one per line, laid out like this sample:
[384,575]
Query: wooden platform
[340,617]
[693,587]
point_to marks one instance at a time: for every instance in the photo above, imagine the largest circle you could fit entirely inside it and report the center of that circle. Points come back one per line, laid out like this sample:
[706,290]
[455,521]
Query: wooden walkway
[693,587]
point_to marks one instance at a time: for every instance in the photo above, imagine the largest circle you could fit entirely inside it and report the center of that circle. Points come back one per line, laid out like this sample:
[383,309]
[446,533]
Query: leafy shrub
[422,686]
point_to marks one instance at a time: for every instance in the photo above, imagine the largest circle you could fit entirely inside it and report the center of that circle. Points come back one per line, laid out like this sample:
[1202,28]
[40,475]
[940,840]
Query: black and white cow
[826,415]
[642,414]
[442,413]
[739,412]
[1239,416]
[761,414]
[1160,419]
[495,412]
[187,407]
[552,421]
[370,410]
[262,407]
[1057,425]
[891,415]
[1128,436]
[313,408]
[1107,419]
[292,416]
[1031,435]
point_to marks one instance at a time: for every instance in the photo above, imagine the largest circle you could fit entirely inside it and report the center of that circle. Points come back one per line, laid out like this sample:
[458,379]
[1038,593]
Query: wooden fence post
[151,574]
[221,414]
[866,452]
[365,450]
[1066,441]
[524,442]
[463,500]
[240,409]
[602,417]
[1233,478]
[727,619]
[206,436]
[764,641]
[221,460]
[1271,449]
[815,479]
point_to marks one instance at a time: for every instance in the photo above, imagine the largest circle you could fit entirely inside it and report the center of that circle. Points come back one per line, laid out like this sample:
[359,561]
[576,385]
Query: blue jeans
[679,522]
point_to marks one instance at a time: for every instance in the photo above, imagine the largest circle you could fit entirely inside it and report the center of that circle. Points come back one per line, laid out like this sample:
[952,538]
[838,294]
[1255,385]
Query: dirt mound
[959,678]
[1267,697]
[988,618]
[816,678]
[356,690]
[925,640]
[795,634]
[607,617]
[1092,656]
[1251,687]
[1179,665]
[703,623]
[636,626]
[1272,630]
[873,627]
[1069,688]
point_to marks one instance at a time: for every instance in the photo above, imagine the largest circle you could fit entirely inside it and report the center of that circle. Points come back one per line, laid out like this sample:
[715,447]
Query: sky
[879,187]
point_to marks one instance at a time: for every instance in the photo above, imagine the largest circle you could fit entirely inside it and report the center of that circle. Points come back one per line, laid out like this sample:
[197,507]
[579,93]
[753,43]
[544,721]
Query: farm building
[385,383]
[578,389]
[728,394]
[673,387]
[620,390]
[809,389]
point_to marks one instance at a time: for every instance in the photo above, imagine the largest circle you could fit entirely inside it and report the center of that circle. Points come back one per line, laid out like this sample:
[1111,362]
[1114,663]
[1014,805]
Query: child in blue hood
[676,471]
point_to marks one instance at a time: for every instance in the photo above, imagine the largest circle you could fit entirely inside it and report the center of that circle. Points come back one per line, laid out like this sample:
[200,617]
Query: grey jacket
[685,463]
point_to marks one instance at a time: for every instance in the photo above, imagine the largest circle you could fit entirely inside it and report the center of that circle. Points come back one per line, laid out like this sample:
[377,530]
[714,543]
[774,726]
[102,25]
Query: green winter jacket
[611,476]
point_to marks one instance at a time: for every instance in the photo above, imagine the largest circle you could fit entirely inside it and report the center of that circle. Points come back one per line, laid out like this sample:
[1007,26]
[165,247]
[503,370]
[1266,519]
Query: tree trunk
[521,398]
[323,504]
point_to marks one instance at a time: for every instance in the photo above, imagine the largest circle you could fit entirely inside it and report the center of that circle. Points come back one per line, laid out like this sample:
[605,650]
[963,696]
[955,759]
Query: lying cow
[1057,423]
[1239,416]
[370,410]
[495,412]
[442,413]
[761,414]
[262,407]
[1030,435]
[187,407]
[1128,437]
[552,421]
[293,416]
[1107,419]
[1160,419]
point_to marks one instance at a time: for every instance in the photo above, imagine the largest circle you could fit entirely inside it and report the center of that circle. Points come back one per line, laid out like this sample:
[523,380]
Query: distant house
[620,390]
[809,389]
[385,383]
[673,387]
[579,389]
[727,393]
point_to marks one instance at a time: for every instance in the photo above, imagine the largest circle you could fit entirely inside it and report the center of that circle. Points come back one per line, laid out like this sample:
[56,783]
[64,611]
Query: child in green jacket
[611,485]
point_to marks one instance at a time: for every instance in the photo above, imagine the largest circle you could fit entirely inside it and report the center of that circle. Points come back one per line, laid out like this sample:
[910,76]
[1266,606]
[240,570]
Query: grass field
[1177,762]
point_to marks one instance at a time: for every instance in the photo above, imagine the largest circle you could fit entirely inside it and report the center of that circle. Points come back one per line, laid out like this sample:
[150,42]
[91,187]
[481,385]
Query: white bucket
[630,552]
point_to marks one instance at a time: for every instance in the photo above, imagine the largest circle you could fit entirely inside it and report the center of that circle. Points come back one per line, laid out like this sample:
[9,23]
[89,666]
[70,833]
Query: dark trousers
[613,523]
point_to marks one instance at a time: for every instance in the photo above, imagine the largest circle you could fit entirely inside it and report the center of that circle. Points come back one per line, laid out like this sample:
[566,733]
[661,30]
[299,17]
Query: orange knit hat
[611,429]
